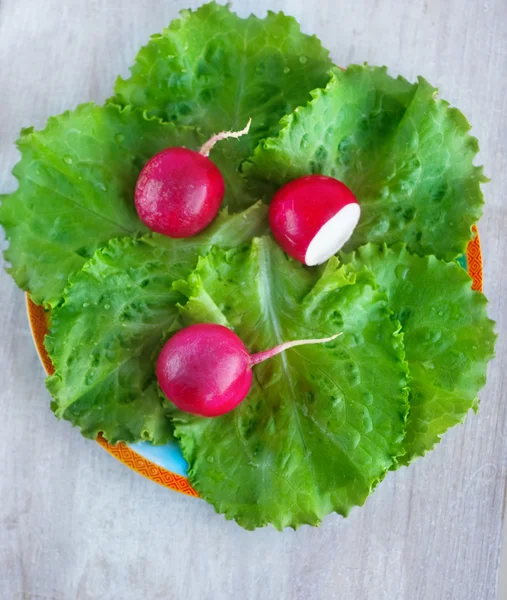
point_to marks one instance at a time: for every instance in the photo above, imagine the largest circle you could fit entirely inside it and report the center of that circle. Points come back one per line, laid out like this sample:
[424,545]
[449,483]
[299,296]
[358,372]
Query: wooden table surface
[74,523]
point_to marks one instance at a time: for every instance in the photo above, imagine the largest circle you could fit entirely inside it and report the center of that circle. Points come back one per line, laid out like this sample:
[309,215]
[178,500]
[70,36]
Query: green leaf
[215,70]
[76,190]
[322,423]
[406,155]
[105,337]
[448,337]
[76,183]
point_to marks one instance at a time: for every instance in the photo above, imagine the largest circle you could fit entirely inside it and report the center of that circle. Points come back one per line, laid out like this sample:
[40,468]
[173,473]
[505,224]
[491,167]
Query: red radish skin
[313,217]
[179,191]
[206,370]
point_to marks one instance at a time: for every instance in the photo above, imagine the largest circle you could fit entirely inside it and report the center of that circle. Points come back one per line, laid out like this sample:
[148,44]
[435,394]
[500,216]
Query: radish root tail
[223,135]
[255,359]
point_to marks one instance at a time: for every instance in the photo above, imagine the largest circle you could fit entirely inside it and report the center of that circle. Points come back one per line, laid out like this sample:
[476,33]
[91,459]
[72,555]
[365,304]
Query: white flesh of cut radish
[333,235]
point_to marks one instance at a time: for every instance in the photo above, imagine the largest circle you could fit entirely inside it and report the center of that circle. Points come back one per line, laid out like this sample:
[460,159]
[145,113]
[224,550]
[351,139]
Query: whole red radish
[206,370]
[179,191]
[313,217]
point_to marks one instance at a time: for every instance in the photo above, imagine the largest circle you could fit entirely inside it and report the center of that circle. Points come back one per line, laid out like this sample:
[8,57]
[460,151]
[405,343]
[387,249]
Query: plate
[165,464]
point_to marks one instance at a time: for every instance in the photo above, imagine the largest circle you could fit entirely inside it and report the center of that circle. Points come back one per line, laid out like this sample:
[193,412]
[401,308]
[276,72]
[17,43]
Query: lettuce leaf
[76,181]
[322,423]
[448,337]
[406,155]
[76,190]
[105,337]
[214,70]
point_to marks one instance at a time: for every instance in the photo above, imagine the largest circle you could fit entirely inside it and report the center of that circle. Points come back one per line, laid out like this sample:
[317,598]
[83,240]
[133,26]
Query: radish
[179,191]
[313,217]
[206,370]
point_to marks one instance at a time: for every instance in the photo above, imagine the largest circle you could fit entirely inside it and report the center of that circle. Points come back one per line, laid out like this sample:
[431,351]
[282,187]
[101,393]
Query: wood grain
[74,523]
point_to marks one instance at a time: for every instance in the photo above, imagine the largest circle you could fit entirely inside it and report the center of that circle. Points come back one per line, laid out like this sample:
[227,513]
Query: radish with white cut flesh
[179,191]
[313,217]
[206,370]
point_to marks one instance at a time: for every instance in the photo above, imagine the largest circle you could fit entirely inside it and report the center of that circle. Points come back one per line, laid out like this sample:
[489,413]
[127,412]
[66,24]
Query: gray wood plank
[74,523]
